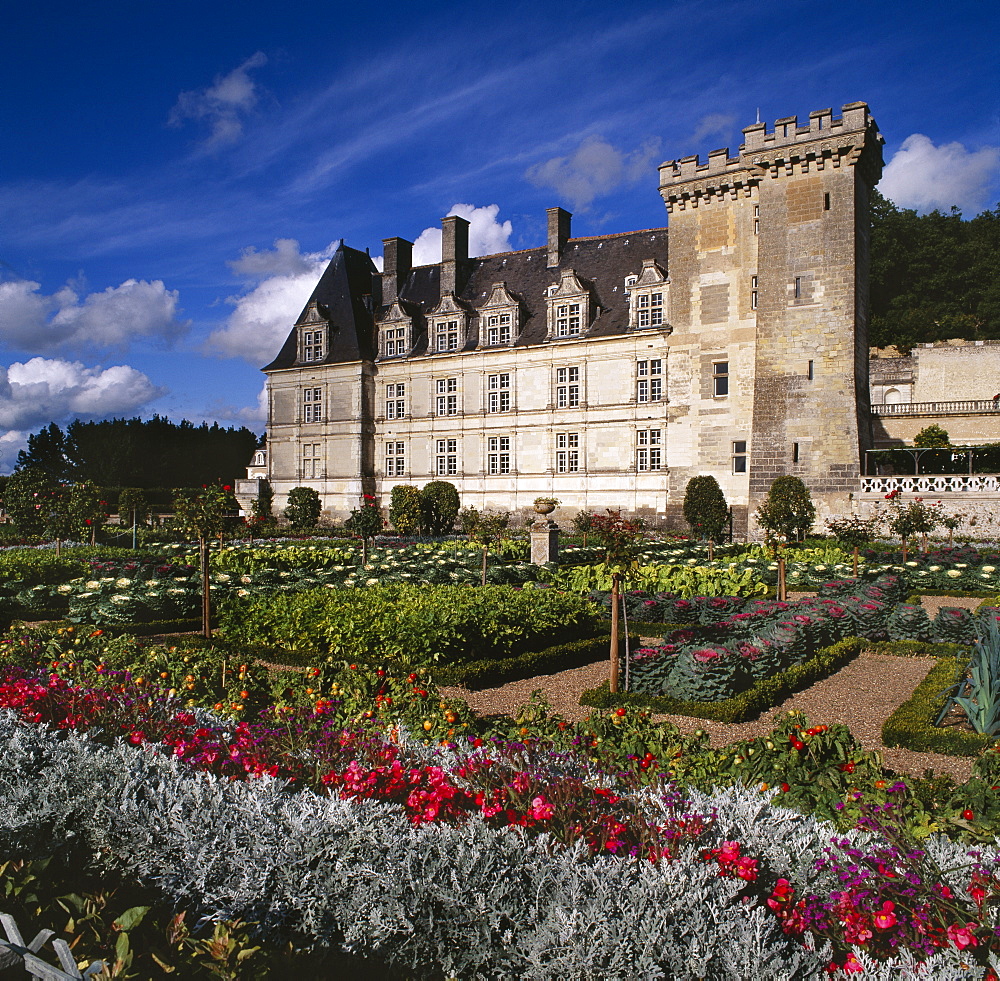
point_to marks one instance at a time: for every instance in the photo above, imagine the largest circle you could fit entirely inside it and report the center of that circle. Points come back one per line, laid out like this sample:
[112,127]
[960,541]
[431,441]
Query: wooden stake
[613,683]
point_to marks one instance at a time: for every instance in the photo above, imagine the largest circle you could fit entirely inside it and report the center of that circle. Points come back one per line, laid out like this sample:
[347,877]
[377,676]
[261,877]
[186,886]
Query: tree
[46,452]
[404,509]
[705,508]
[439,506]
[23,500]
[133,508]
[303,508]
[853,531]
[788,511]
[262,509]
[932,436]
[486,529]
[202,512]
[582,524]
[88,512]
[366,521]
[915,518]
[619,537]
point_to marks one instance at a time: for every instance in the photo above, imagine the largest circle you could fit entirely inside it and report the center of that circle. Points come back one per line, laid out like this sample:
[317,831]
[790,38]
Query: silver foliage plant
[463,902]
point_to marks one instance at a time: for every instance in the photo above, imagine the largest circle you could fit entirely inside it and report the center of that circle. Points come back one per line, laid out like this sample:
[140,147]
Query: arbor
[303,508]
[788,511]
[705,508]
[439,506]
[404,509]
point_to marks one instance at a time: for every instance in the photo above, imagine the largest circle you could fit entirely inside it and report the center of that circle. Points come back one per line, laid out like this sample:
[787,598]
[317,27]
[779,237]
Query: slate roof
[600,262]
[344,296]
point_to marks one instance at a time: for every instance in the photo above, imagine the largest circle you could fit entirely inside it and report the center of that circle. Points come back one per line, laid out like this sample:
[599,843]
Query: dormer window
[446,325]
[395,333]
[569,308]
[648,301]
[314,328]
[499,318]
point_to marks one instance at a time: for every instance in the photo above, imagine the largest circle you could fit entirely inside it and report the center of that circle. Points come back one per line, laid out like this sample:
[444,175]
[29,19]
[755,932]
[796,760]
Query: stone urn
[542,506]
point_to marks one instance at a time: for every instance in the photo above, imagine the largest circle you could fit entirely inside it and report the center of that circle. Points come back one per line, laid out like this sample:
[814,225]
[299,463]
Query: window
[498,454]
[313,346]
[567,388]
[312,464]
[498,329]
[795,452]
[649,386]
[756,219]
[312,405]
[826,201]
[499,393]
[753,292]
[798,287]
[810,371]
[739,456]
[395,401]
[649,309]
[630,281]
[395,459]
[567,319]
[395,342]
[720,379]
[567,452]
[649,450]
[447,457]
[446,335]
[446,390]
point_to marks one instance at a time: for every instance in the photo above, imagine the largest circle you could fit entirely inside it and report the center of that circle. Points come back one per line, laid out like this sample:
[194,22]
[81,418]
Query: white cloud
[281,281]
[247,415]
[713,124]
[487,236]
[923,176]
[109,319]
[223,104]
[37,392]
[595,168]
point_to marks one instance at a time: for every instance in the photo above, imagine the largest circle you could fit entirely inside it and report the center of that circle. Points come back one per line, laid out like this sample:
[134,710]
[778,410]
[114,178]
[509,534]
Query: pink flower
[962,937]
[852,965]
[541,809]
[885,918]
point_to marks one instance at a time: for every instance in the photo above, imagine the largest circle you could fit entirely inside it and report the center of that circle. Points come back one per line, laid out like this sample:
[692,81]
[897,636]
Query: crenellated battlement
[825,138]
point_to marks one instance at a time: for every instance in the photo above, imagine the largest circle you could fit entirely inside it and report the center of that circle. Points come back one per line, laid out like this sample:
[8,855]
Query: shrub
[788,510]
[21,500]
[932,436]
[439,506]
[705,508]
[132,506]
[404,509]
[303,508]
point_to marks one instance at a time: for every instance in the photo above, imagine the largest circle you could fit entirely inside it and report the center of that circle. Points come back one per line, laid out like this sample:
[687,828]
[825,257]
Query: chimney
[397,260]
[454,253]
[559,222]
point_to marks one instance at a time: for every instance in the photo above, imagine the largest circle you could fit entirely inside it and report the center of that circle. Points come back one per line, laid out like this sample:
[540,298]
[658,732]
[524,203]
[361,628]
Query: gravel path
[862,695]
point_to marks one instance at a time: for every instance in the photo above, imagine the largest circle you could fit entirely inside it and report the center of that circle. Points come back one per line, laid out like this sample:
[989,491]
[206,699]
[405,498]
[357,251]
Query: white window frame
[394,342]
[568,318]
[753,293]
[312,405]
[311,459]
[740,456]
[395,458]
[395,400]
[313,344]
[446,457]
[498,455]
[649,306]
[567,452]
[649,380]
[447,335]
[446,396]
[499,329]
[720,379]
[568,387]
[498,395]
[649,450]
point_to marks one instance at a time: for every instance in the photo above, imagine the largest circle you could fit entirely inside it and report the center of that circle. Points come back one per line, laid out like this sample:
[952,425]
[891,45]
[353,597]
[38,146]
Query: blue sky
[173,175]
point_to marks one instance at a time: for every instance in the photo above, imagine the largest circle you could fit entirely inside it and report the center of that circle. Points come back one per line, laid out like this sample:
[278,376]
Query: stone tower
[769,252]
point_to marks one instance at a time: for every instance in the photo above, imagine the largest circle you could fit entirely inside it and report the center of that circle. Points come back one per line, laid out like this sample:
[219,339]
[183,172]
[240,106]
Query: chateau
[605,371]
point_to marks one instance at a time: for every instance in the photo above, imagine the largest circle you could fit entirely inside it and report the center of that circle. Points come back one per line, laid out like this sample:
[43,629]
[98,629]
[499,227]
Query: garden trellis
[14,951]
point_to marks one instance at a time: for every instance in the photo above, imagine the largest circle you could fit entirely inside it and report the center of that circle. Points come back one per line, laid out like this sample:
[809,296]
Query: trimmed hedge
[911,726]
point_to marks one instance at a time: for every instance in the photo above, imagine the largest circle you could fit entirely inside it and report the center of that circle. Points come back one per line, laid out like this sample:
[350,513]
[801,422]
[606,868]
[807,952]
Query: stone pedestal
[544,541]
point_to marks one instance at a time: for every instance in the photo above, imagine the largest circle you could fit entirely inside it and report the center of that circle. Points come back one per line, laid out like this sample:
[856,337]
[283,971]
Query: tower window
[720,379]
[756,219]
[826,201]
[810,371]
[753,292]
[739,456]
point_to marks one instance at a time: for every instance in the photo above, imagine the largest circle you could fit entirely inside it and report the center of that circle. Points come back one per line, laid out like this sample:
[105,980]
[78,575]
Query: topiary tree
[303,508]
[366,521]
[487,529]
[439,506]
[705,508]
[262,509]
[133,506]
[404,509]
[788,511]
[88,511]
[23,500]
[932,436]
[582,524]
[853,531]
[202,512]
